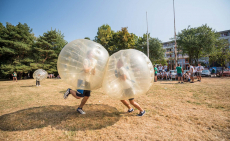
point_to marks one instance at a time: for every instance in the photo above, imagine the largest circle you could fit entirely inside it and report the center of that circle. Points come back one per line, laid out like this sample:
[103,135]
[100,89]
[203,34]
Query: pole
[175,49]
[147,36]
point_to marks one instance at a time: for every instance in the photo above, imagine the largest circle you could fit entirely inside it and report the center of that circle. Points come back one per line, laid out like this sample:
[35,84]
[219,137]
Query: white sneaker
[66,94]
[36,85]
[39,85]
[80,111]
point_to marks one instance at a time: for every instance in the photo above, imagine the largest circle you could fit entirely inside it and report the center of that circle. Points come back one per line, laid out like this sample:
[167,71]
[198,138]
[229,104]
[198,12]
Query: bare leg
[83,101]
[136,105]
[16,79]
[126,104]
[74,94]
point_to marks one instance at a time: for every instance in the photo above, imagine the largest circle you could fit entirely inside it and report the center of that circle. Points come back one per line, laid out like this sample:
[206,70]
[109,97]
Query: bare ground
[198,111]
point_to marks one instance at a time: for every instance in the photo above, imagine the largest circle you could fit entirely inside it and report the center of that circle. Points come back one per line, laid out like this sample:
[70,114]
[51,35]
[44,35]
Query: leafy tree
[156,51]
[197,42]
[104,37]
[87,38]
[221,54]
[161,61]
[47,49]
[122,40]
[15,48]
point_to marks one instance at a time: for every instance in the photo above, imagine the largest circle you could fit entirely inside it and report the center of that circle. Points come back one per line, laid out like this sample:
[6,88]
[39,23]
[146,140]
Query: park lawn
[198,111]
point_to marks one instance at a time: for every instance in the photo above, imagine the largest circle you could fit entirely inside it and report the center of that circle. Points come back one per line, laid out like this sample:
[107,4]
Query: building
[170,56]
[225,35]
[183,60]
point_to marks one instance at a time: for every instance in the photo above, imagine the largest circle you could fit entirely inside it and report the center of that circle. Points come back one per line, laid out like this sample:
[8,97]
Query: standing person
[179,73]
[199,71]
[89,68]
[15,76]
[38,80]
[155,72]
[191,70]
[125,79]
[165,67]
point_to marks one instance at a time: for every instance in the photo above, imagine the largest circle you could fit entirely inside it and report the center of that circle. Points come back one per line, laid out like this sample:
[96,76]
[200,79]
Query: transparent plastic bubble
[82,63]
[129,74]
[40,75]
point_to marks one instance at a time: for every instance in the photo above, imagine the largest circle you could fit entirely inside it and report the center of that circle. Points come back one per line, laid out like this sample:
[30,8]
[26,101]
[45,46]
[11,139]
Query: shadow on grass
[169,83]
[61,117]
[29,86]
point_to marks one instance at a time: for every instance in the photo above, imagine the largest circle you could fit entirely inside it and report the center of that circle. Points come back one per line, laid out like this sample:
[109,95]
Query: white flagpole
[147,36]
[175,35]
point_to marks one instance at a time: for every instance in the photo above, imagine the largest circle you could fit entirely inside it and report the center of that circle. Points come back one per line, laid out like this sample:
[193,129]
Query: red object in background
[225,73]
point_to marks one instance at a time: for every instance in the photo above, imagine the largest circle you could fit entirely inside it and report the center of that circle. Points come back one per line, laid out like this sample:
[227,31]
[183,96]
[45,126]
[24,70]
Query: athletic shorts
[198,73]
[179,74]
[192,74]
[129,93]
[155,74]
[160,71]
[85,93]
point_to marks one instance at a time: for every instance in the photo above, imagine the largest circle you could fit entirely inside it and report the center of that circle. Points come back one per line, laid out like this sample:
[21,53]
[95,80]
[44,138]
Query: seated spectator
[165,75]
[186,77]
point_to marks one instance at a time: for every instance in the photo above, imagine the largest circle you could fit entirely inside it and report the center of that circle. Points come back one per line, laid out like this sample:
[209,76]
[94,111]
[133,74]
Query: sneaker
[130,110]
[39,85]
[178,82]
[66,94]
[141,114]
[80,111]
[182,82]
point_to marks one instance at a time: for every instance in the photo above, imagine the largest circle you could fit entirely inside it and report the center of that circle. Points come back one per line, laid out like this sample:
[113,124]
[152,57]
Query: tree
[47,49]
[15,48]
[221,54]
[87,38]
[104,37]
[122,39]
[197,42]
[156,51]
[114,41]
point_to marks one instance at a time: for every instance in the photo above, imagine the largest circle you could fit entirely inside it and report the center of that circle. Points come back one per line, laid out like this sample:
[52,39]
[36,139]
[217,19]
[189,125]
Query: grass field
[198,111]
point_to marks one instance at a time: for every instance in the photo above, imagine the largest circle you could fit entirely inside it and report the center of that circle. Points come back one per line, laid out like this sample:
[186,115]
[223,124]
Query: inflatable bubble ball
[40,75]
[129,74]
[82,63]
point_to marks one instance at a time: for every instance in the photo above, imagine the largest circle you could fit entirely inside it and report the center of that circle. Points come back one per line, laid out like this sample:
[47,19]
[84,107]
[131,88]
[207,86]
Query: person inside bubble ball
[38,80]
[89,65]
[127,88]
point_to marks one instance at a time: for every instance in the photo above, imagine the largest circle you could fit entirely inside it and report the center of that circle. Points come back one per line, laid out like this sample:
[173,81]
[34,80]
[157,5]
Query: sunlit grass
[199,111]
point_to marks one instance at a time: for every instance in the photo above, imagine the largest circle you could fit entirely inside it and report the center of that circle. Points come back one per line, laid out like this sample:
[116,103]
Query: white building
[225,35]
[170,55]
[183,60]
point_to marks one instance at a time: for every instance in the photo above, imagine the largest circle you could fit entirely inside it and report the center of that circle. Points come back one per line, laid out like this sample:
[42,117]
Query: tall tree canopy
[156,51]
[47,49]
[15,48]
[221,54]
[197,42]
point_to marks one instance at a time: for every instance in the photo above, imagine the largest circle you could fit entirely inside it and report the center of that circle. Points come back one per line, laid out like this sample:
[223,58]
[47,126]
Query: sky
[78,19]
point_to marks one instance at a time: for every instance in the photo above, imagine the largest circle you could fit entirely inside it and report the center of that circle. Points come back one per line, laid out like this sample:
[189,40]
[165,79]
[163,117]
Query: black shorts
[85,93]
